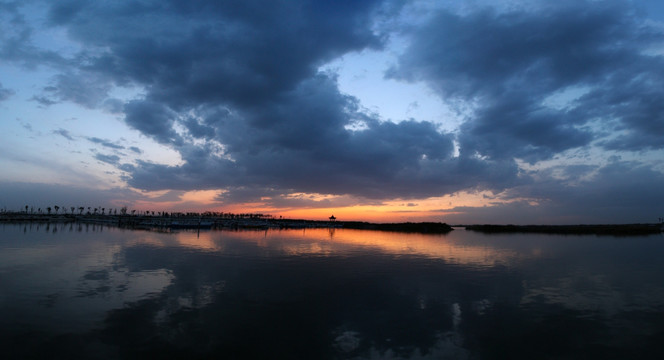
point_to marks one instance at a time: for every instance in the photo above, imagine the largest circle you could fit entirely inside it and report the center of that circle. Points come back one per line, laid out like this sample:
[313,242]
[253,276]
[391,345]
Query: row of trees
[72,210]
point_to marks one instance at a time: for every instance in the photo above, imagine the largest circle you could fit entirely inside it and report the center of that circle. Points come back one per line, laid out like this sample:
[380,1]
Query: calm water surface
[76,291]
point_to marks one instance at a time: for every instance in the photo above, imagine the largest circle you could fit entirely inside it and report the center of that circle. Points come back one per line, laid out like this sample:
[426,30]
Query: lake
[91,291]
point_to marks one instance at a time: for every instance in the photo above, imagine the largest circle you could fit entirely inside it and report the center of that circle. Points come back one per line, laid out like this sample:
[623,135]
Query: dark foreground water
[77,291]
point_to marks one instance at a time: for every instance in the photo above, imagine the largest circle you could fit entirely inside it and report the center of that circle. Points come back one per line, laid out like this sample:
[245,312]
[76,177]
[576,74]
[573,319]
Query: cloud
[5,93]
[109,159]
[136,150]
[87,89]
[152,119]
[235,89]
[618,192]
[64,133]
[169,196]
[242,78]
[241,118]
[272,198]
[16,40]
[44,101]
[113,106]
[631,103]
[626,184]
[215,50]
[506,64]
[105,143]
[301,144]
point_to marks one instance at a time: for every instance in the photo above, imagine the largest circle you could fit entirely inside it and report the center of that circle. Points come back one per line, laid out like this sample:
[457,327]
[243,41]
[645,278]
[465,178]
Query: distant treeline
[623,229]
[123,211]
[216,219]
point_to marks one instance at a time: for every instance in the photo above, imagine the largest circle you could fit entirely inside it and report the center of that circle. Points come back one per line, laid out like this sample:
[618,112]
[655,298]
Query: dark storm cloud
[510,63]
[634,102]
[153,119]
[243,79]
[198,130]
[300,143]
[203,51]
[512,127]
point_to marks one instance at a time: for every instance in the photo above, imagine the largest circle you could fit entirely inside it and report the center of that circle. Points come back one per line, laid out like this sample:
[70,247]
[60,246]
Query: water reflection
[343,242]
[104,292]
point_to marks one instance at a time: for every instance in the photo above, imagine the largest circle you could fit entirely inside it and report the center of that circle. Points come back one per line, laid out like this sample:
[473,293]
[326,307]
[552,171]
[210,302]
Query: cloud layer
[235,88]
[510,64]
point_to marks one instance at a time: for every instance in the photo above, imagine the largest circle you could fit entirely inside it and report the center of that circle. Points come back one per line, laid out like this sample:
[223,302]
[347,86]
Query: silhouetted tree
[49,210]
[80,210]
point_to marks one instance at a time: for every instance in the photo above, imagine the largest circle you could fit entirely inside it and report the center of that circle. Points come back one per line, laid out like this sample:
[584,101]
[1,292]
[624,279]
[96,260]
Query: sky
[515,112]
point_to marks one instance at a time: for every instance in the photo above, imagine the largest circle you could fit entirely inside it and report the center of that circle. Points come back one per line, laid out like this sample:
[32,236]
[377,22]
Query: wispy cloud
[105,143]
[5,93]
[109,159]
[64,133]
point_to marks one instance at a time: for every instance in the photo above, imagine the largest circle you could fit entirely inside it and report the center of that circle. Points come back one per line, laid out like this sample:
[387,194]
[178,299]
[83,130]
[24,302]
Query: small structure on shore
[332,218]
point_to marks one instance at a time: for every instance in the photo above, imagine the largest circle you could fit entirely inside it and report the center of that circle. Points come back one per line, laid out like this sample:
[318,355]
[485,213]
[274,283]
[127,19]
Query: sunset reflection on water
[326,293]
[451,248]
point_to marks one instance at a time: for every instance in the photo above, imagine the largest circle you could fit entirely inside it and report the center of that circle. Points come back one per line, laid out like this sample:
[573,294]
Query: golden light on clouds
[204,197]
[429,209]
[313,206]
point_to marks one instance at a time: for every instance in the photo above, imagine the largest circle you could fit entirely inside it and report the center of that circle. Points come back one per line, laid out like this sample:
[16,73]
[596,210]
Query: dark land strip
[619,229]
[200,221]
[212,222]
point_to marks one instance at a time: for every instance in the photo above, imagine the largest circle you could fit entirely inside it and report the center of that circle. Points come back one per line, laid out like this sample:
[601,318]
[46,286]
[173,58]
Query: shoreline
[601,229]
[198,221]
[210,222]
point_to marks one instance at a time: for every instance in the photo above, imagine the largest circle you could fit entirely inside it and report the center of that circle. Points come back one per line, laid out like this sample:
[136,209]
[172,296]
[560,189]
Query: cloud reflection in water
[328,294]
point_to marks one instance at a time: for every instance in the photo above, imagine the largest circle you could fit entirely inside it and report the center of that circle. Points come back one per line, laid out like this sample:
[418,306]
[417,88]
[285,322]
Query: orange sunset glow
[324,242]
[348,208]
